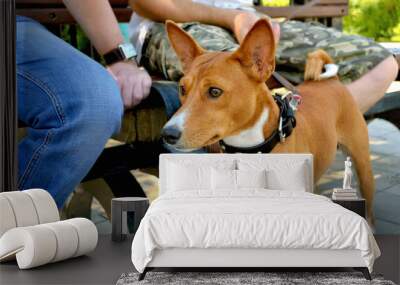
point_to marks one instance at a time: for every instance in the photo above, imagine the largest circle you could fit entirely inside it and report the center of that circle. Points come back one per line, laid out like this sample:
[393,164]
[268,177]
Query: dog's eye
[214,92]
[182,90]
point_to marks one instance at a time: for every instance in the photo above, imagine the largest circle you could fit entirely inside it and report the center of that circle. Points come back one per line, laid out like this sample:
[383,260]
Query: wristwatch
[122,52]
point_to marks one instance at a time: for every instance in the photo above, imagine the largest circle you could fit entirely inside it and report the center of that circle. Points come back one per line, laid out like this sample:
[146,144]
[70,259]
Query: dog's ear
[257,51]
[184,45]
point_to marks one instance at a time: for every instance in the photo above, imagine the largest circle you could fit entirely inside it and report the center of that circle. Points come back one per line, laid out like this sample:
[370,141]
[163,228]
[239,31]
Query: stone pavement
[385,156]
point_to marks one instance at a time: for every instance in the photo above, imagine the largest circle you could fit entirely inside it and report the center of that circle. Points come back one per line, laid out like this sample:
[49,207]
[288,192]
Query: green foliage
[275,3]
[64,34]
[81,39]
[377,19]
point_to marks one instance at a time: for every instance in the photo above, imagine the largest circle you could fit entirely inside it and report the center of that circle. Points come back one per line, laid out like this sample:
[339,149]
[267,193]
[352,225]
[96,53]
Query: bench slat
[309,12]
[54,11]
[126,2]
[340,2]
[62,16]
[53,3]
[391,101]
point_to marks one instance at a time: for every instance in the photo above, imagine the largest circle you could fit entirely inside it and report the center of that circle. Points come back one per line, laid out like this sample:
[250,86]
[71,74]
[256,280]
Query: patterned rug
[243,278]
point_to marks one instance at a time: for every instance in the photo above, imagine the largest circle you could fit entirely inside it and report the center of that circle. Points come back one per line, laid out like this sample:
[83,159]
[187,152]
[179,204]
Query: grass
[377,19]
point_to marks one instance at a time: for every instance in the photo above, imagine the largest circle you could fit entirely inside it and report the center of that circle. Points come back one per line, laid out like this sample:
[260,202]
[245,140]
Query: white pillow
[188,177]
[282,174]
[223,179]
[291,179]
[251,178]
[235,179]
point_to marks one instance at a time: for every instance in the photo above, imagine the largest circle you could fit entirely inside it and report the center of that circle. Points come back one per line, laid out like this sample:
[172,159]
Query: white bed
[249,226]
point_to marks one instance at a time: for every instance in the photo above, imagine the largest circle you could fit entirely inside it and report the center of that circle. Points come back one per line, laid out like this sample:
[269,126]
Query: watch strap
[113,56]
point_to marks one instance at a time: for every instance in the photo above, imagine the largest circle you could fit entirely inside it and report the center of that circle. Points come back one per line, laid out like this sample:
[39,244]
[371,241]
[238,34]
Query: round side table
[119,209]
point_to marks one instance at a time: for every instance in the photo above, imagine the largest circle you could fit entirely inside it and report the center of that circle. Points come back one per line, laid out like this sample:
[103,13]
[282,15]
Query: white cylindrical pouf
[33,246]
[45,205]
[40,244]
[67,239]
[7,218]
[87,235]
[23,208]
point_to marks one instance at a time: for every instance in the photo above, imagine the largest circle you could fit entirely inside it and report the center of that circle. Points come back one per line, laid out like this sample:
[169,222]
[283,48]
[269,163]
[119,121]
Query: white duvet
[253,218]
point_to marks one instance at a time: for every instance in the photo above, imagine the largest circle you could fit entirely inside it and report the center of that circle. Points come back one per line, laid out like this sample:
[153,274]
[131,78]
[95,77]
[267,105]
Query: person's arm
[99,23]
[239,22]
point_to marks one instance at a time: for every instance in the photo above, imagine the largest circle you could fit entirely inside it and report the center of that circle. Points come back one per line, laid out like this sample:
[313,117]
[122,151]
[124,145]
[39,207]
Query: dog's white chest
[252,136]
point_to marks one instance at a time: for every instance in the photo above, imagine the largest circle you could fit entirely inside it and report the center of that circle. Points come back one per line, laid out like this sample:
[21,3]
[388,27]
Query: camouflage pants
[355,55]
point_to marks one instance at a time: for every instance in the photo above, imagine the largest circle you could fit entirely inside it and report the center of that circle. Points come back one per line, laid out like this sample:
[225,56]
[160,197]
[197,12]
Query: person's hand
[134,82]
[243,23]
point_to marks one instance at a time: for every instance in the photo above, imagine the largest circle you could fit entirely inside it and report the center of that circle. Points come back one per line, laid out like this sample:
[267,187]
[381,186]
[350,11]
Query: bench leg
[143,274]
[392,116]
[364,271]
[124,184]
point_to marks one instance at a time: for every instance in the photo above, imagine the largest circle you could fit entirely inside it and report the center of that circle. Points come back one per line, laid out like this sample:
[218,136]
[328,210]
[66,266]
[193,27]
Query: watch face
[128,50]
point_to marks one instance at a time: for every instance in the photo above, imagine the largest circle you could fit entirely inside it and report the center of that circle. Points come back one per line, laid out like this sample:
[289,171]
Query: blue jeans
[71,106]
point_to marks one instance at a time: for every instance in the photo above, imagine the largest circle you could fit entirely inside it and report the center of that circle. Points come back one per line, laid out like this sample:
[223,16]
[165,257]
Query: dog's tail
[317,61]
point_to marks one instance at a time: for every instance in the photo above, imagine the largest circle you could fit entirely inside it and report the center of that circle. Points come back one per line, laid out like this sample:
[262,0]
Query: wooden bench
[325,11]
[115,163]
[54,12]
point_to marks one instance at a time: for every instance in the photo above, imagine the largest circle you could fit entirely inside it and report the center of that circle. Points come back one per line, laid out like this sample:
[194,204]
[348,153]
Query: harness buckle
[287,94]
[295,101]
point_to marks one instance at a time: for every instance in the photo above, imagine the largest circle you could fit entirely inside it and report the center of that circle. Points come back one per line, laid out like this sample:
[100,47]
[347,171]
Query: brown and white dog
[224,97]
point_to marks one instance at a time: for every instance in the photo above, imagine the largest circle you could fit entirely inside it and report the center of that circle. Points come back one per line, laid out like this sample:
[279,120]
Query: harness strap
[285,83]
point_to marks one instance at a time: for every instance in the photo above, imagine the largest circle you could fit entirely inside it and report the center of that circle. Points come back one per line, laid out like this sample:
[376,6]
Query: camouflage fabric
[355,55]
[158,57]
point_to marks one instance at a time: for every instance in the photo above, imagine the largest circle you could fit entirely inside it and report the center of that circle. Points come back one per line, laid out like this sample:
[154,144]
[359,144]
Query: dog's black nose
[171,134]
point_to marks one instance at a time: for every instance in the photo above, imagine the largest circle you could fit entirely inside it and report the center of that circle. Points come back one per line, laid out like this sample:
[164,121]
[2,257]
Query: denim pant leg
[71,106]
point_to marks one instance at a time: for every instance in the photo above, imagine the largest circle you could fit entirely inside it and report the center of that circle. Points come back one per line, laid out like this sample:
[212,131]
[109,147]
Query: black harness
[286,124]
